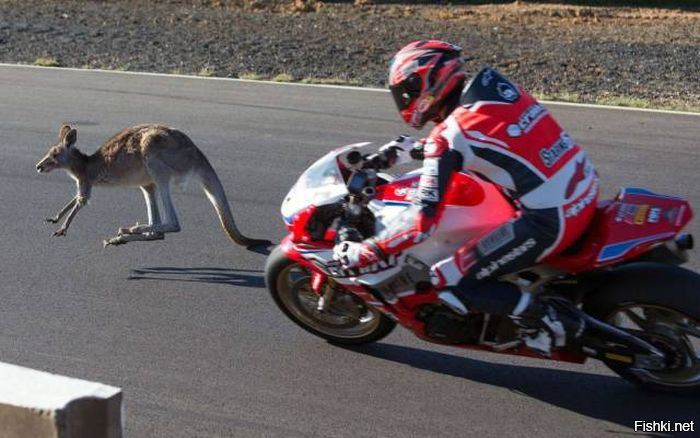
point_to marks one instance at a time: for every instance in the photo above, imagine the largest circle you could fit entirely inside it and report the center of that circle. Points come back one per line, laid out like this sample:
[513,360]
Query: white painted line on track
[613,107]
[337,87]
[209,78]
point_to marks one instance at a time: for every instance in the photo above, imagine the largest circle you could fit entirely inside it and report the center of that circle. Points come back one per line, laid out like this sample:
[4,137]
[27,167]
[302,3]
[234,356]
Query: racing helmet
[421,76]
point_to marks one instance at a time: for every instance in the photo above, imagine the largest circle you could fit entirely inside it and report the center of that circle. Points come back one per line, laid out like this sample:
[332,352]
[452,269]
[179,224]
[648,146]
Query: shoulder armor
[489,85]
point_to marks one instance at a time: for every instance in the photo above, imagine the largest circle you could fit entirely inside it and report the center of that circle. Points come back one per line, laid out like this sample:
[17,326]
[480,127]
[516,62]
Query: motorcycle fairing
[626,227]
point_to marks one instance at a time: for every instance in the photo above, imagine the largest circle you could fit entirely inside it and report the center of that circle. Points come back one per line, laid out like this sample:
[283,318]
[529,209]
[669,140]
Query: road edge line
[330,86]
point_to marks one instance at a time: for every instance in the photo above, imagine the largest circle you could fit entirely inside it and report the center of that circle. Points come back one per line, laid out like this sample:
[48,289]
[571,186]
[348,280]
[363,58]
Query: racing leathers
[502,134]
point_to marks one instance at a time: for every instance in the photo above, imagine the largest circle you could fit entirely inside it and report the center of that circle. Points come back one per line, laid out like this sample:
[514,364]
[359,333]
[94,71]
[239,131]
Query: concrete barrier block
[37,404]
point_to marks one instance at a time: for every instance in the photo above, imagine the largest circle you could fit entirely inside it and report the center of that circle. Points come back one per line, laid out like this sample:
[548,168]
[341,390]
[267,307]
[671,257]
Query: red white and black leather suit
[501,133]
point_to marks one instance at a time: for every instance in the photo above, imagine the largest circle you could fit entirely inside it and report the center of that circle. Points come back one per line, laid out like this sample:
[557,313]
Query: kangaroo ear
[63,132]
[70,137]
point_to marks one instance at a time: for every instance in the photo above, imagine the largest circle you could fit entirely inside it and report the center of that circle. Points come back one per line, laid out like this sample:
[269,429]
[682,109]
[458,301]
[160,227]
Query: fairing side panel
[626,227]
[471,209]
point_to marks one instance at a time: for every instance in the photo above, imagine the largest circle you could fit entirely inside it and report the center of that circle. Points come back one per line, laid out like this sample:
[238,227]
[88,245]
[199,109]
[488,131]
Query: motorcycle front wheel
[346,320]
[660,304]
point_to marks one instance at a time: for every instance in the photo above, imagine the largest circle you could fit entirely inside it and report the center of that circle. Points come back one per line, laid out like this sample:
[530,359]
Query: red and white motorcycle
[642,311]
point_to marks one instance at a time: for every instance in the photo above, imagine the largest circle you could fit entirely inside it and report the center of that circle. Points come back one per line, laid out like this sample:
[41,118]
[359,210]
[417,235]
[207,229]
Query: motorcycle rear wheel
[347,319]
[660,304]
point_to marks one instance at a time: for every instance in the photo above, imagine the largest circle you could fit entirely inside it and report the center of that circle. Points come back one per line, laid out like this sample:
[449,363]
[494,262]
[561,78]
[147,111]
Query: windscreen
[322,183]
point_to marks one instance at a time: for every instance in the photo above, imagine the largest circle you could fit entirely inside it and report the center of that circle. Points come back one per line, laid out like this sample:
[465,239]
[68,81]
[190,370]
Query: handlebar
[380,160]
[377,161]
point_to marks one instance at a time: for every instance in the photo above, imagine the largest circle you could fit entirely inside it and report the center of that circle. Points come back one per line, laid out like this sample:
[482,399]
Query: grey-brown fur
[147,156]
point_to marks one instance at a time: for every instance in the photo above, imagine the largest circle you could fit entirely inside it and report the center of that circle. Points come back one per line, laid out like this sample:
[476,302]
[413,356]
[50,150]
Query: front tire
[347,321]
[661,303]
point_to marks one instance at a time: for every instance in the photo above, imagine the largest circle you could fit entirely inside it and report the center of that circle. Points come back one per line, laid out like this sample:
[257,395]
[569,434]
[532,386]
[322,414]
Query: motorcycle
[622,276]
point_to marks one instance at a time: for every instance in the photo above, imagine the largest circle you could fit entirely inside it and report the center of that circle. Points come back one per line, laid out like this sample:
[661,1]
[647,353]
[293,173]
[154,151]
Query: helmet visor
[406,91]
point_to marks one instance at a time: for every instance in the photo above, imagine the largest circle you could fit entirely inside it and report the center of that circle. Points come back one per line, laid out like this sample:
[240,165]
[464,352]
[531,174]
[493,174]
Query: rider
[494,129]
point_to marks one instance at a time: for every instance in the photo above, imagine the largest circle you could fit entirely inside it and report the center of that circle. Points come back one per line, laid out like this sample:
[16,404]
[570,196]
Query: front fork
[321,285]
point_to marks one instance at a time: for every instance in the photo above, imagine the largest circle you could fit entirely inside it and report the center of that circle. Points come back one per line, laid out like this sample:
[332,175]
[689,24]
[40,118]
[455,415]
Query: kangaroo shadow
[232,277]
[601,397]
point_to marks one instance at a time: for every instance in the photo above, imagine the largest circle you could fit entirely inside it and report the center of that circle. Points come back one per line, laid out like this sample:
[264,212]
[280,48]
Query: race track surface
[185,325]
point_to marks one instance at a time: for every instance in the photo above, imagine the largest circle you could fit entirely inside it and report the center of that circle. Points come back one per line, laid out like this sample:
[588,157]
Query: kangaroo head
[60,155]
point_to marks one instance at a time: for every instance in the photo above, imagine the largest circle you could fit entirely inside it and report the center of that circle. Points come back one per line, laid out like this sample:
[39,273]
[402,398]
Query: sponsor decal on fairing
[674,215]
[410,194]
[406,191]
[635,214]
[640,217]
[336,270]
[654,215]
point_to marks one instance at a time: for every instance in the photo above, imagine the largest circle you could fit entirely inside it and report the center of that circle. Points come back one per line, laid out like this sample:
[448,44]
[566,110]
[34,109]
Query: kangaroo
[147,156]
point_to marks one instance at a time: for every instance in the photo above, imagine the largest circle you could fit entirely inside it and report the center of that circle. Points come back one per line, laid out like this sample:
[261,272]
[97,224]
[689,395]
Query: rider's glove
[399,150]
[355,254]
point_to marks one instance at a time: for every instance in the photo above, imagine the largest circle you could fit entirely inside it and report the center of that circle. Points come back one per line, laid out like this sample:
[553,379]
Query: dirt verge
[624,55]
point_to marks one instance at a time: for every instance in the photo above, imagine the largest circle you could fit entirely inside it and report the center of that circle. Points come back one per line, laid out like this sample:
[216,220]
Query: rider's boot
[547,323]
[544,323]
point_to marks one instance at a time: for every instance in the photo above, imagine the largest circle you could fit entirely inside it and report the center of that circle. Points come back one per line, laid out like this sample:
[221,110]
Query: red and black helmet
[421,76]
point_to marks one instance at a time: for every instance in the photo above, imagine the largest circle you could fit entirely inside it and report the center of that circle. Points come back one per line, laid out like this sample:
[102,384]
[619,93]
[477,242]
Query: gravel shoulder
[616,55]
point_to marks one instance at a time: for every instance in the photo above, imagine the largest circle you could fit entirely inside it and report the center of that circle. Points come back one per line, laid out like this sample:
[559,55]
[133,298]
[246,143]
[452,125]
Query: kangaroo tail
[215,192]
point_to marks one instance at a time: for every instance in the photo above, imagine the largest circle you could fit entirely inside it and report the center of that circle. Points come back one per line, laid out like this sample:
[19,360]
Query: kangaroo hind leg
[170,224]
[125,235]
[158,225]
[161,175]
[150,195]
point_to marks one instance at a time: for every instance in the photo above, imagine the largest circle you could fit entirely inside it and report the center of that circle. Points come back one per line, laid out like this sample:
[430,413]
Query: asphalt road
[186,327]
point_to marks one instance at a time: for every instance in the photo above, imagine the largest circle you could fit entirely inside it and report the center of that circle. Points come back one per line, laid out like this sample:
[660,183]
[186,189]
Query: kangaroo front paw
[53,220]
[60,232]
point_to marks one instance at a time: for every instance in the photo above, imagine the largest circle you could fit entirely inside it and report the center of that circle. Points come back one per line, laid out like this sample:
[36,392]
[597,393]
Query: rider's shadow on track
[606,398]
[233,277]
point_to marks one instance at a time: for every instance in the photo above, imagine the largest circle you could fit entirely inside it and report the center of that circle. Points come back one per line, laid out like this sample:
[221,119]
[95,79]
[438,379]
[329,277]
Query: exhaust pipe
[685,241]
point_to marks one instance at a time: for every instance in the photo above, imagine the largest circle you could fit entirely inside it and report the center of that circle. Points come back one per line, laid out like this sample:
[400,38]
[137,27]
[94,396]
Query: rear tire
[664,302]
[349,321]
